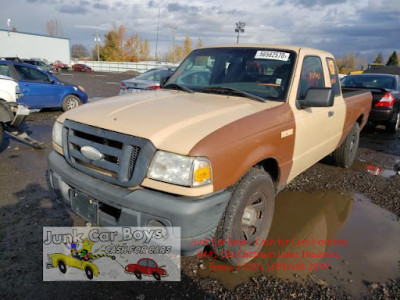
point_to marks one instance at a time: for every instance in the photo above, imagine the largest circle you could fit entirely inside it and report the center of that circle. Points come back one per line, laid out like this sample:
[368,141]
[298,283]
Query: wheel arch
[271,166]
[361,120]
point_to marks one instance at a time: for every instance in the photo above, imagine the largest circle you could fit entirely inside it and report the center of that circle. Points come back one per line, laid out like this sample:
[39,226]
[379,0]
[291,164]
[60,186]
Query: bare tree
[78,51]
[54,28]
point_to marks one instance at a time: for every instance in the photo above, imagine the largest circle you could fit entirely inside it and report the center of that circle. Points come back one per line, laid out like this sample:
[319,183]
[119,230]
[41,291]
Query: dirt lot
[325,202]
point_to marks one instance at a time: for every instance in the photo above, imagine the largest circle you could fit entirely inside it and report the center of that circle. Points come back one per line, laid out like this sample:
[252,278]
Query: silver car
[147,81]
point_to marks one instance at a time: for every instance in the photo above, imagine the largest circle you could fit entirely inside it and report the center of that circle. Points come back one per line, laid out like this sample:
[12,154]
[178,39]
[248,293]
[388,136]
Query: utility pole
[173,27]
[158,24]
[239,28]
[8,25]
[97,40]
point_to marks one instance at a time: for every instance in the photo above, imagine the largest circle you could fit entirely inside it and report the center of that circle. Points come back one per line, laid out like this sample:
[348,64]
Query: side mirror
[317,97]
[163,80]
[51,80]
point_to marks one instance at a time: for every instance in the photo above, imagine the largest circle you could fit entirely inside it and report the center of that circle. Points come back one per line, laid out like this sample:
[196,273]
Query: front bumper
[198,217]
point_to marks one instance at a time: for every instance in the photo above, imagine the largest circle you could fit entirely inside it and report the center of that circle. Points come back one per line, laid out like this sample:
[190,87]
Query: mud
[324,202]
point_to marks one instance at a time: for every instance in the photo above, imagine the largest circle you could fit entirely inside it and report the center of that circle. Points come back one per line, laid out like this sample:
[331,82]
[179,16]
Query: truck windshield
[256,73]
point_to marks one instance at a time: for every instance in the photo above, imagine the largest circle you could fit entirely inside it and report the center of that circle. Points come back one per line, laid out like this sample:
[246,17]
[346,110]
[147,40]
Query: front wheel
[70,102]
[394,124]
[62,267]
[156,276]
[247,217]
[345,155]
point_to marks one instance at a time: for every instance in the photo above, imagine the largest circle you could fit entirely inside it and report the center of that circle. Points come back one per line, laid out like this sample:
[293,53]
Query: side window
[30,74]
[151,264]
[143,263]
[4,70]
[333,76]
[312,75]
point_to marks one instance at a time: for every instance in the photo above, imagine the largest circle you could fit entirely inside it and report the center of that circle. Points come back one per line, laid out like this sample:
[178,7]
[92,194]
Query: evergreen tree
[393,60]
[378,59]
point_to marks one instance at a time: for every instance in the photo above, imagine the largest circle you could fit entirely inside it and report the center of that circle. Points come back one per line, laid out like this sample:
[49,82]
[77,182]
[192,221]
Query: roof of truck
[268,46]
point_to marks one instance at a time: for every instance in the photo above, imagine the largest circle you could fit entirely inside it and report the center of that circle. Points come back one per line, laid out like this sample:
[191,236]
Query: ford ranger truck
[210,150]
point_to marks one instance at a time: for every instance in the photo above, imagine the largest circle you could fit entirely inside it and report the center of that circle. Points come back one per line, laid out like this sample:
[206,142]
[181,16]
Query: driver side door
[38,90]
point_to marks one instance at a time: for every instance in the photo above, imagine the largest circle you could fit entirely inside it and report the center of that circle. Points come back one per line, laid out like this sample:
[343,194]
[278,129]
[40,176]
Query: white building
[30,45]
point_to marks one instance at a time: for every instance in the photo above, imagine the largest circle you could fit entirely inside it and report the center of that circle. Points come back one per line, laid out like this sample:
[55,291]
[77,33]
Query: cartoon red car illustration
[146,266]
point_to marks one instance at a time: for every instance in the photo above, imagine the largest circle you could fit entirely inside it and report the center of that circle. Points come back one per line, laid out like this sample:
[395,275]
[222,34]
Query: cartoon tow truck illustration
[146,266]
[81,259]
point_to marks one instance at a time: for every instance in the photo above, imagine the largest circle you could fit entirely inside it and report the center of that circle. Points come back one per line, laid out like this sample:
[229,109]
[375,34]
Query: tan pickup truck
[209,151]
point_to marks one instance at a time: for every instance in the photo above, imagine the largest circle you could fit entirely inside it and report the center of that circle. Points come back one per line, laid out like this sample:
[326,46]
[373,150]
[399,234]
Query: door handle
[331,113]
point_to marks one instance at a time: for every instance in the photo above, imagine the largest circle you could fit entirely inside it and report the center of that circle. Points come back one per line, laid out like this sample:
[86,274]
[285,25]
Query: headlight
[57,133]
[18,92]
[179,169]
[81,88]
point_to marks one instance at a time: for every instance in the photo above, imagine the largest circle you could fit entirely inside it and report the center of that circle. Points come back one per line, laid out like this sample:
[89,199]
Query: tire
[394,124]
[70,102]
[157,276]
[89,273]
[62,267]
[138,274]
[247,217]
[345,155]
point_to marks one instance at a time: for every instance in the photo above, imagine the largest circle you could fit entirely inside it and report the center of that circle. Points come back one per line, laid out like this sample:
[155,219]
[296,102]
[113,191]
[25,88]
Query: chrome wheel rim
[253,217]
[72,103]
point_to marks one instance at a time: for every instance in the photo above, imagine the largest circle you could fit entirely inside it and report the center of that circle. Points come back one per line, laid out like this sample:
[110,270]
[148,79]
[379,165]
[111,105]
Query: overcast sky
[339,26]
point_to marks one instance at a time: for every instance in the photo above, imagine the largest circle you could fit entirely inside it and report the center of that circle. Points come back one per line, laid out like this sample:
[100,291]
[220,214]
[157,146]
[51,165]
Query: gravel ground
[26,205]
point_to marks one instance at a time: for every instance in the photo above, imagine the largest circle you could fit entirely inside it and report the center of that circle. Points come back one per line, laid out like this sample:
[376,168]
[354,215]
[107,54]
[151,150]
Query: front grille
[124,158]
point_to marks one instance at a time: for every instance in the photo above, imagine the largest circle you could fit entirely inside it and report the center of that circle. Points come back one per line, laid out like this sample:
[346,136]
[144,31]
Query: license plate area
[84,206]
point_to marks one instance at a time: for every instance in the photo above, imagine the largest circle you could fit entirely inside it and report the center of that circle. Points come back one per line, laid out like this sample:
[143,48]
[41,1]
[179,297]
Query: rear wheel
[89,273]
[345,155]
[138,274]
[247,217]
[394,124]
[70,102]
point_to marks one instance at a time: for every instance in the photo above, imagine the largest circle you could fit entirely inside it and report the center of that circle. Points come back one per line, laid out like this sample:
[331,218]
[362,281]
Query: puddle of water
[371,234]
[364,166]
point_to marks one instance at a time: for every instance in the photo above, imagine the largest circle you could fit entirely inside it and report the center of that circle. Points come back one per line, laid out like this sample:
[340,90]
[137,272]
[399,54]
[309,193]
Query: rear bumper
[381,114]
[198,217]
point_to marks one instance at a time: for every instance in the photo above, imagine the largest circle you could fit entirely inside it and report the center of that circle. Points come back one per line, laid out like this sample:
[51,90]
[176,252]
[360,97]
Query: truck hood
[172,120]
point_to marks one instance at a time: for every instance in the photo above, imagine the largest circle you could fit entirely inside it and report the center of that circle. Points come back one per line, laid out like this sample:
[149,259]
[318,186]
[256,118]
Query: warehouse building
[30,45]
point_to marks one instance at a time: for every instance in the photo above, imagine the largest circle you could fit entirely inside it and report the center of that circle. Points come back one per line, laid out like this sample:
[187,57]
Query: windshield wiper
[176,86]
[233,91]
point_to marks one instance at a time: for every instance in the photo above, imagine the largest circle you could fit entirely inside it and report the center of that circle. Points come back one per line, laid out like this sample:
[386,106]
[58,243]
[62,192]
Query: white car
[9,89]
[12,114]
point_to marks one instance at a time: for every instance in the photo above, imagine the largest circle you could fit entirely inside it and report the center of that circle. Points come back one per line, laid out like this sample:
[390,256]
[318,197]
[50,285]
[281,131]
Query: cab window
[311,75]
[333,74]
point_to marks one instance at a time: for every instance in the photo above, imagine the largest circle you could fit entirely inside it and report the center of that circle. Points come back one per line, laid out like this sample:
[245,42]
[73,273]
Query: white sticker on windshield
[262,54]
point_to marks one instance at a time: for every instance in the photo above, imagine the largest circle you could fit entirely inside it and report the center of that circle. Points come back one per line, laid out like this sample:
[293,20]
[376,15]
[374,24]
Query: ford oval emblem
[91,153]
